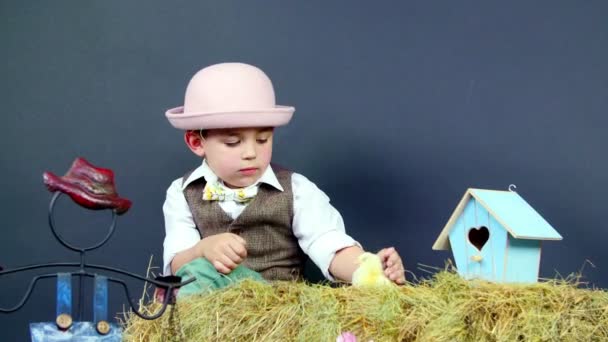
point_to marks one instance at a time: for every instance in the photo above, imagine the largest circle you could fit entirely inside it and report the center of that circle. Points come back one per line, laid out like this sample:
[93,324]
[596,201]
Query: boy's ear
[195,142]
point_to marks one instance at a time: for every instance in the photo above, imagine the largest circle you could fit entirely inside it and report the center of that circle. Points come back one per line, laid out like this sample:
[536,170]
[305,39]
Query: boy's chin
[242,183]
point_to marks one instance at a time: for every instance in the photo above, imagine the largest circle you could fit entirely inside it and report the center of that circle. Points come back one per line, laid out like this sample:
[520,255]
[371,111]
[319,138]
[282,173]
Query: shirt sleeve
[180,231]
[317,224]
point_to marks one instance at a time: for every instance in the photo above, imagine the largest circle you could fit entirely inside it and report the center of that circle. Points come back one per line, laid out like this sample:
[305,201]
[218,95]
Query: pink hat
[229,95]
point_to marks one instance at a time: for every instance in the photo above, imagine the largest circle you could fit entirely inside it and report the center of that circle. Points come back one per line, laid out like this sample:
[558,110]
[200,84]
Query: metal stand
[167,283]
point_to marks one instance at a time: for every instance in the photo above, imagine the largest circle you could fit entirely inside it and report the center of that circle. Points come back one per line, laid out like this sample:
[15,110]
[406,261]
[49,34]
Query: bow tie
[216,191]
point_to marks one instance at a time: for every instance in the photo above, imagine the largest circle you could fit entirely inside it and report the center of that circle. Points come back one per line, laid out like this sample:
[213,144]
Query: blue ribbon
[64,294]
[100,299]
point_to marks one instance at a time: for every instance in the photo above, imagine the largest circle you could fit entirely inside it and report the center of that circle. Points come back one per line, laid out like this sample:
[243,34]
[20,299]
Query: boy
[237,208]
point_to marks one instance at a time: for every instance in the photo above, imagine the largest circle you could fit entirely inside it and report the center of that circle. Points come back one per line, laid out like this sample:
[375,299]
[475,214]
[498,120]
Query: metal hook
[170,285]
[512,187]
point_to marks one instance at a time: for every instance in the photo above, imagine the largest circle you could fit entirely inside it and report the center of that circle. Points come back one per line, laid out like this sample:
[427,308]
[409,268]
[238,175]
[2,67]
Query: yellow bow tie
[216,191]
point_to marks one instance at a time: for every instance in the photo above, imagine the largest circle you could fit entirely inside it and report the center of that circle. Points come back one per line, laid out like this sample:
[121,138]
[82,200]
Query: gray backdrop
[400,107]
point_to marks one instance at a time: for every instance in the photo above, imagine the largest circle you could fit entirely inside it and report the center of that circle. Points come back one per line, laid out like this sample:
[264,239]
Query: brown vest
[266,225]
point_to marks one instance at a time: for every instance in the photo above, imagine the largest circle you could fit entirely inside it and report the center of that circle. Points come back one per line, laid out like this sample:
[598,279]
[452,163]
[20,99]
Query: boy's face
[238,156]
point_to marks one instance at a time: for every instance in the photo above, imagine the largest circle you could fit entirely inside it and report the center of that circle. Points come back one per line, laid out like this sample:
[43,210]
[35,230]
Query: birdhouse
[496,236]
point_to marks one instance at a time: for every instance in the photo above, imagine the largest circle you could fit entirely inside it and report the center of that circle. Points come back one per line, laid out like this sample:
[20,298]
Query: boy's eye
[262,141]
[231,143]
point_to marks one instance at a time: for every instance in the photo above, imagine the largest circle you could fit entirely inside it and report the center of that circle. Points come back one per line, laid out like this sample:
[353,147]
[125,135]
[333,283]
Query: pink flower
[346,337]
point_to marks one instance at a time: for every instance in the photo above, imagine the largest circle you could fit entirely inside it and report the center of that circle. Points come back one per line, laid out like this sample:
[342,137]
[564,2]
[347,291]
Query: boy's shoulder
[295,176]
[277,168]
[187,175]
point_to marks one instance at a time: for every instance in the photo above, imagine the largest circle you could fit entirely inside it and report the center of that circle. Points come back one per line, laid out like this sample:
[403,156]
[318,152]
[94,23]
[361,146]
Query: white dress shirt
[317,225]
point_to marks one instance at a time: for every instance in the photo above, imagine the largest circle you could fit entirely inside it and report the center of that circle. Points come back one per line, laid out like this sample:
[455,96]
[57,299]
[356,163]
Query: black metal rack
[169,283]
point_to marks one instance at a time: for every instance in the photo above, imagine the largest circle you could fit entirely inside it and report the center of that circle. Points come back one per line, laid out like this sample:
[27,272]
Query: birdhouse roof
[510,210]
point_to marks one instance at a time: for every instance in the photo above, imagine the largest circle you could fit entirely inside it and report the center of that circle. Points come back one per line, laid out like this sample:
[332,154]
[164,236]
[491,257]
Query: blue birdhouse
[496,236]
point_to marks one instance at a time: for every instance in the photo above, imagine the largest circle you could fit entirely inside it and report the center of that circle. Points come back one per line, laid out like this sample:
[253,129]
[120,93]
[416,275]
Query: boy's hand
[225,251]
[393,267]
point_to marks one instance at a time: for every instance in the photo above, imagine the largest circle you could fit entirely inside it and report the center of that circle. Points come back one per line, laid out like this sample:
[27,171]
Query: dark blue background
[400,107]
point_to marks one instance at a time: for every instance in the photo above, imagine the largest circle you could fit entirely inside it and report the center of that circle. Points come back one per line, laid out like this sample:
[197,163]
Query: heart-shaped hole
[479,236]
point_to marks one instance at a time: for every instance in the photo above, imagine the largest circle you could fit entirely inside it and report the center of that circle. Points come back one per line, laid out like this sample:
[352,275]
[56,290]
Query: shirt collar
[204,171]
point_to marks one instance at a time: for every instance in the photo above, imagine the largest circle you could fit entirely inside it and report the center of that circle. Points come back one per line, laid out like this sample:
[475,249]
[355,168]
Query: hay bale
[444,308]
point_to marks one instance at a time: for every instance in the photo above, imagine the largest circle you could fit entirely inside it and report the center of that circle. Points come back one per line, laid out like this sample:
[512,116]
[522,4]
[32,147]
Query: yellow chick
[370,272]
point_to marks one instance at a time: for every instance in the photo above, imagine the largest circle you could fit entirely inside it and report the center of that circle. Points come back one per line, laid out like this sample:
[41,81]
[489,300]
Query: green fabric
[209,279]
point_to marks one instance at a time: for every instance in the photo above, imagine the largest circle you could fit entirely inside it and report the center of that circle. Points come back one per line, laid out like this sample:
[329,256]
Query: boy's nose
[249,152]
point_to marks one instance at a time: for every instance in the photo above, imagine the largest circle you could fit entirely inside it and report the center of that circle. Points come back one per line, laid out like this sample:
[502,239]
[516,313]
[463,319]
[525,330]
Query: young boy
[237,208]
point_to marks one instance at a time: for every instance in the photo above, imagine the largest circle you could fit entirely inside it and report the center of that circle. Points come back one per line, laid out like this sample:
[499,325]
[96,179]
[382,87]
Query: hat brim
[272,117]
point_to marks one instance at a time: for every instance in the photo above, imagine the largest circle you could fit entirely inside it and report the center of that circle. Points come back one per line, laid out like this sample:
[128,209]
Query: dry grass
[443,308]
